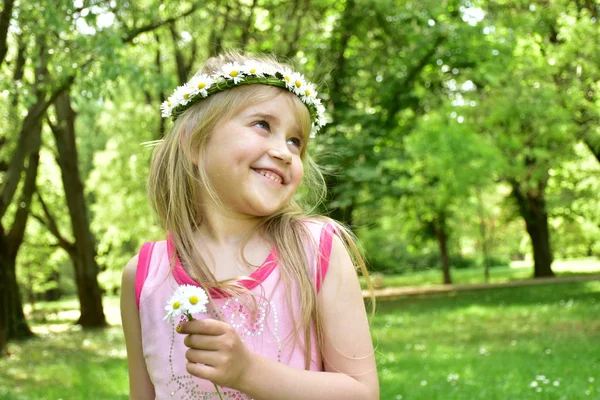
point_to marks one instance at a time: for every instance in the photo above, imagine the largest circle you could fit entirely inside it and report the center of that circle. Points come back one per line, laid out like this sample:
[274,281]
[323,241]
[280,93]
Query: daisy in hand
[186,300]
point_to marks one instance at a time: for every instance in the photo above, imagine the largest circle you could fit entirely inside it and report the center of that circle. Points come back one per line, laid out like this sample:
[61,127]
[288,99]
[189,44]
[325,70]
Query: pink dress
[270,333]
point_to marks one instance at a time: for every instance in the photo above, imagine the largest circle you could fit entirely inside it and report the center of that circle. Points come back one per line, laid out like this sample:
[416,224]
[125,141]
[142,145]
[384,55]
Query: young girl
[286,318]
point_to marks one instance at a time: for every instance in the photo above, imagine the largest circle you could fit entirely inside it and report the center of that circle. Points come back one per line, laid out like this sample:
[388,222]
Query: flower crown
[250,72]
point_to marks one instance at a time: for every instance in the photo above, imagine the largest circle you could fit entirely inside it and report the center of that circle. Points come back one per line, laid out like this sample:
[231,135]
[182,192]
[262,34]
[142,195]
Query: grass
[511,343]
[526,343]
[65,362]
[517,271]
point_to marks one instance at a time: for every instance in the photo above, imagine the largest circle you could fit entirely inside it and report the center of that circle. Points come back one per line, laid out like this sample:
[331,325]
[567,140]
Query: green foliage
[434,106]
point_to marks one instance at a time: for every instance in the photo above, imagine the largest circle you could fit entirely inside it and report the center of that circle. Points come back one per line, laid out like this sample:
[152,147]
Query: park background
[463,146]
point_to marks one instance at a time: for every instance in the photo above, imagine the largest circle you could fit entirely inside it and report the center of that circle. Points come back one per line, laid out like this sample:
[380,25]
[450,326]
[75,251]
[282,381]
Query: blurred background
[463,147]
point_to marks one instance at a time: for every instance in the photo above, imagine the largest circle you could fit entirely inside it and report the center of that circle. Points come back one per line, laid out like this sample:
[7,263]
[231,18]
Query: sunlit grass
[539,342]
[517,271]
[63,361]
[513,343]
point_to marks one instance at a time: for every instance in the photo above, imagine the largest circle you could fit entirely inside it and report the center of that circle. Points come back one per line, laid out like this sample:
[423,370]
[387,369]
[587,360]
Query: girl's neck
[222,229]
[222,240]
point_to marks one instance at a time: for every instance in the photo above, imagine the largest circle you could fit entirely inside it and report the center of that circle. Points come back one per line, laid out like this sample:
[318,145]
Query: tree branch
[182,72]
[50,223]
[15,236]
[150,27]
[396,101]
[33,117]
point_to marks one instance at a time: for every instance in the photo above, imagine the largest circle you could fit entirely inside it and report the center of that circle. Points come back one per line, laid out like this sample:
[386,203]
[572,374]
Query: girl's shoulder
[316,224]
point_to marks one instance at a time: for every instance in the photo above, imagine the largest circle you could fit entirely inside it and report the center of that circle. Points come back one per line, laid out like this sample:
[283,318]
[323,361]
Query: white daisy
[269,69]
[166,107]
[287,77]
[253,68]
[321,121]
[320,110]
[183,94]
[194,299]
[200,84]
[174,307]
[309,93]
[298,83]
[232,71]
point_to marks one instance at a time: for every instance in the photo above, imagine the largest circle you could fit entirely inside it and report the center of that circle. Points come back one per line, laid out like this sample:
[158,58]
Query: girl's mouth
[272,176]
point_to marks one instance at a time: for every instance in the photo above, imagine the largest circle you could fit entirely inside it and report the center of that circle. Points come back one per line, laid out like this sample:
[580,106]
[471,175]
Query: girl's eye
[295,142]
[263,125]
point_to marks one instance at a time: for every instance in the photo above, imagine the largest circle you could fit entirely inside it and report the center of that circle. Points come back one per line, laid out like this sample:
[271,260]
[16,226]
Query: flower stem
[218,392]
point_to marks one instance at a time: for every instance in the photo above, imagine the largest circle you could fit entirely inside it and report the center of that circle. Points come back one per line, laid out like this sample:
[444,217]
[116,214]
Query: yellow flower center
[169,104]
[201,85]
[307,92]
[298,84]
[287,78]
[176,305]
[252,70]
[186,96]
[233,73]
[193,299]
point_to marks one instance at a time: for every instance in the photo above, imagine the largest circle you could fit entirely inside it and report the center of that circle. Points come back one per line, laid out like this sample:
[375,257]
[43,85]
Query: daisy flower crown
[250,72]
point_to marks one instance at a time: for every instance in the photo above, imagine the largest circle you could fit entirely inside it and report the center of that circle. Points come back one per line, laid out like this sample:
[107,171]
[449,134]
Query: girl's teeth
[271,176]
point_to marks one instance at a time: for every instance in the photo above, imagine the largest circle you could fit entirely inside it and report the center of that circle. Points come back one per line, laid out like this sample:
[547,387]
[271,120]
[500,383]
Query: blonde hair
[176,182]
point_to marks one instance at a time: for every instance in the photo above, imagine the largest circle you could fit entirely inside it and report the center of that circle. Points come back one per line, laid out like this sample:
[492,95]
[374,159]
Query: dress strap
[141,272]
[324,253]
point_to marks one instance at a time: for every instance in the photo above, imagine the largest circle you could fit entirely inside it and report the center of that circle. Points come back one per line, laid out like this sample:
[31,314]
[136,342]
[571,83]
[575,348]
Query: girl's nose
[280,152]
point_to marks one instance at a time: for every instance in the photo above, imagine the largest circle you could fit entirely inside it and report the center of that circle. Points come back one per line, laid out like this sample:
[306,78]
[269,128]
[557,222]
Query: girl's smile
[260,147]
[273,176]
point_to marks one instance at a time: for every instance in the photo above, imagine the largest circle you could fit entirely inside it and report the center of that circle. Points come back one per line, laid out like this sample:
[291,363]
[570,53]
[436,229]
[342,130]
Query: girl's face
[253,159]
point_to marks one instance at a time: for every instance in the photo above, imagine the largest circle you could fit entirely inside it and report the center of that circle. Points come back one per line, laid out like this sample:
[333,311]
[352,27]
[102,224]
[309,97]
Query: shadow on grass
[85,364]
[503,296]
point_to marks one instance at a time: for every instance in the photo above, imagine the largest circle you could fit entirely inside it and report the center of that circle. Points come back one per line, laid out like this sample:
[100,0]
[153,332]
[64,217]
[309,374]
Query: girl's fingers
[202,342]
[207,357]
[201,370]
[202,327]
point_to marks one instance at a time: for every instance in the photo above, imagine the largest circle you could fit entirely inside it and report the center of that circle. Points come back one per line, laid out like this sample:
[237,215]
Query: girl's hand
[216,352]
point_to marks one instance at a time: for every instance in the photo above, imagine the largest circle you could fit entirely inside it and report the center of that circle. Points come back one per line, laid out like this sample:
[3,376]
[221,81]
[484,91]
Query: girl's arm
[348,356]
[140,386]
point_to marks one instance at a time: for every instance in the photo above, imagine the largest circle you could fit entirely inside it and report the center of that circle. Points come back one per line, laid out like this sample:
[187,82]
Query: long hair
[177,180]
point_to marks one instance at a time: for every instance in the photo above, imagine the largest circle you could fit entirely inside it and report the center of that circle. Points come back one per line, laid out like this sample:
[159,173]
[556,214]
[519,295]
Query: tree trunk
[483,236]
[84,251]
[439,226]
[54,293]
[532,206]
[13,324]
[5,17]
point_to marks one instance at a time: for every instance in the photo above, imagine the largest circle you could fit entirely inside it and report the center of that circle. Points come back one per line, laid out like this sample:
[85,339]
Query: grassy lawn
[538,342]
[518,270]
[513,343]
[64,362]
